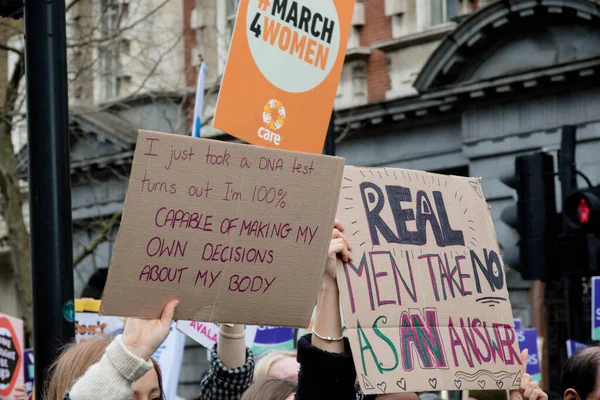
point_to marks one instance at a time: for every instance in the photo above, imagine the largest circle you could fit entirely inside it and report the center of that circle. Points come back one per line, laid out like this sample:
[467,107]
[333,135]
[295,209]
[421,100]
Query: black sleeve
[325,375]
[221,383]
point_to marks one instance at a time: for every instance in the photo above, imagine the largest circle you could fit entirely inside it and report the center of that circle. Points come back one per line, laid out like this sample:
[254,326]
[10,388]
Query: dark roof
[104,124]
[484,29]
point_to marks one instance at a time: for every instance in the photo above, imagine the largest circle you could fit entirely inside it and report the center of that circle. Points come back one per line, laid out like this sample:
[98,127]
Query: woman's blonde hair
[261,371]
[270,389]
[74,361]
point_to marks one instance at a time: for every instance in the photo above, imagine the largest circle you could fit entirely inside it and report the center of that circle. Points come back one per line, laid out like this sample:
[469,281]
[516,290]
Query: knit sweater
[112,376]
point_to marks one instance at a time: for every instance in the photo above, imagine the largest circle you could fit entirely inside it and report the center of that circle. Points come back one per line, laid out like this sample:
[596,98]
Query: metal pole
[49,181]
[566,161]
[329,148]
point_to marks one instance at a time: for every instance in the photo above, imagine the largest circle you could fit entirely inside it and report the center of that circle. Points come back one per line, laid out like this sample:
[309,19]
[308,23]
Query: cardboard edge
[341,165]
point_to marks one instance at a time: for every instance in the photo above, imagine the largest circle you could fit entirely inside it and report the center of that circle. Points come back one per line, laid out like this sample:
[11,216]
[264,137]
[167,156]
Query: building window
[226,14]
[436,12]
[231,7]
[109,48]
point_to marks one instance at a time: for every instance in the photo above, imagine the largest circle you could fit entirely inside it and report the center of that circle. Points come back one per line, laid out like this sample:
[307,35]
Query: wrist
[230,331]
[137,350]
[329,284]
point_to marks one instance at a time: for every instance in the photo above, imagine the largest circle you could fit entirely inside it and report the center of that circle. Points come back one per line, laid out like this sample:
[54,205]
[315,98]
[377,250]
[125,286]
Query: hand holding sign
[143,336]
[528,389]
[339,245]
[20,392]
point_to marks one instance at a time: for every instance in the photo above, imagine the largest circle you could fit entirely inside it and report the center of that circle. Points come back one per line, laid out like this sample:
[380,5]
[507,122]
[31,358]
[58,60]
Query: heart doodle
[382,386]
[500,384]
[481,384]
[433,382]
[458,383]
[401,384]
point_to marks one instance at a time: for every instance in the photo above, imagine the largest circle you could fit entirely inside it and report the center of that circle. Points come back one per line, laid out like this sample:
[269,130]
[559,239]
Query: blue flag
[199,106]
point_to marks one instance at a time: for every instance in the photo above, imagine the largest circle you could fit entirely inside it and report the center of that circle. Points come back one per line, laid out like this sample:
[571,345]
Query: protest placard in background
[574,346]
[29,371]
[11,355]
[237,233]
[287,103]
[88,324]
[424,298]
[517,324]
[596,308]
[206,333]
[270,338]
[528,339]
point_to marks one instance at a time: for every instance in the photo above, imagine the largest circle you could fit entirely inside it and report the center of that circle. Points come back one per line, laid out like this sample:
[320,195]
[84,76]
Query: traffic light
[581,211]
[11,9]
[533,217]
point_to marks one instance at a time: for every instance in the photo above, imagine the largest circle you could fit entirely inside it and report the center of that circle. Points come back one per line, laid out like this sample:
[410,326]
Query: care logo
[273,117]
[302,36]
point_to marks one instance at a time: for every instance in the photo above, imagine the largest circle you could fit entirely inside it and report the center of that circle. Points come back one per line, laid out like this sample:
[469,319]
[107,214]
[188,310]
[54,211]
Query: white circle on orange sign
[295,44]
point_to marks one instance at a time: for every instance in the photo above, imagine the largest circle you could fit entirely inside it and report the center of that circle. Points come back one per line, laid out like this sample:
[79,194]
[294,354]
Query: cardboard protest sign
[238,233]
[424,298]
[206,333]
[282,72]
[11,355]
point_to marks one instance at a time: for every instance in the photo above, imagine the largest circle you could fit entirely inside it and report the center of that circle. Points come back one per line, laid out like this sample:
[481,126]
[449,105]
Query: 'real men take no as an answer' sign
[237,233]
[424,299]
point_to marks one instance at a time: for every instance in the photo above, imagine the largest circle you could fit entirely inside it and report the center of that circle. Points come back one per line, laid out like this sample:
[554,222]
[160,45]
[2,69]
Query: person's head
[580,376]
[271,389]
[76,358]
[277,364]
[149,386]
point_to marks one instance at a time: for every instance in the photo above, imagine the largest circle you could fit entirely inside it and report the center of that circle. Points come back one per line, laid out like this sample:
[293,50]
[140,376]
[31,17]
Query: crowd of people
[321,368]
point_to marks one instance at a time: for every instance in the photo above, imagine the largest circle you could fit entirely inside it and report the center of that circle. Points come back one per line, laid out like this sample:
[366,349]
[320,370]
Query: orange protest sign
[282,72]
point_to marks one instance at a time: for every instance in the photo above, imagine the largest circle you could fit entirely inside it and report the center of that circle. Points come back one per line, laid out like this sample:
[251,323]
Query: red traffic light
[582,210]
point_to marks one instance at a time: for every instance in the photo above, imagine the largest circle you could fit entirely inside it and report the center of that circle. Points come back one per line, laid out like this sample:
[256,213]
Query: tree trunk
[11,203]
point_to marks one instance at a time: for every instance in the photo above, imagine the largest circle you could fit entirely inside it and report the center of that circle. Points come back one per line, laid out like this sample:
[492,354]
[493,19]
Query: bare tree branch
[8,48]
[98,240]
[71,5]
[119,32]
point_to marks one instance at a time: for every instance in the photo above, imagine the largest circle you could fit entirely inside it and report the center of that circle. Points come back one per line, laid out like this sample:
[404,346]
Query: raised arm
[126,359]
[231,366]
[326,365]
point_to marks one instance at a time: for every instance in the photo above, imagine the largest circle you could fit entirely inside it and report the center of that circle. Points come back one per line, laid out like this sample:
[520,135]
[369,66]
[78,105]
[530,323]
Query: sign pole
[49,182]
[329,149]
